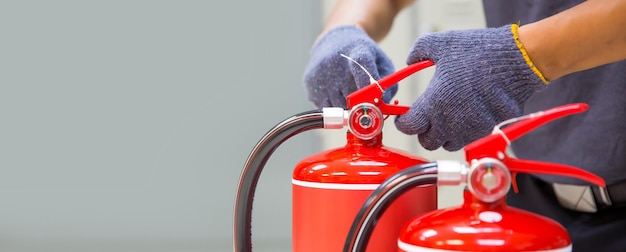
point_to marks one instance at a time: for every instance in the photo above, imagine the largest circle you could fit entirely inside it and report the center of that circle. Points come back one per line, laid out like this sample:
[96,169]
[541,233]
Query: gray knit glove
[329,77]
[481,78]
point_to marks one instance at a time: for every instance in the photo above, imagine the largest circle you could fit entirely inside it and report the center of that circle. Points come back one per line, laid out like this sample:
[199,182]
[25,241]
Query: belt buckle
[582,198]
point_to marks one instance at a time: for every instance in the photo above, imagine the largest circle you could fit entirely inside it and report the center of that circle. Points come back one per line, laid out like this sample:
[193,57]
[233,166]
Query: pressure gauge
[365,121]
[489,179]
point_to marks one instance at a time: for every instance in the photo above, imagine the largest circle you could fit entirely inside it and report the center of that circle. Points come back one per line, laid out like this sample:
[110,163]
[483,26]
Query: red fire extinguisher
[483,222]
[330,187]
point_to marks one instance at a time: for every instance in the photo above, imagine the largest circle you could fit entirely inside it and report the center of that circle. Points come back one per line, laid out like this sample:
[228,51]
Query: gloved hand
[481,79]
[329,77]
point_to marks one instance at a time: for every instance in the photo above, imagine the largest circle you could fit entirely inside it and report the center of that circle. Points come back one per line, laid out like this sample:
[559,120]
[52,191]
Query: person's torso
[594,140]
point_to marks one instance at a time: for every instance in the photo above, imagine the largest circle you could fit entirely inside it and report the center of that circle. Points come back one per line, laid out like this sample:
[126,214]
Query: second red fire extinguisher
[483,222]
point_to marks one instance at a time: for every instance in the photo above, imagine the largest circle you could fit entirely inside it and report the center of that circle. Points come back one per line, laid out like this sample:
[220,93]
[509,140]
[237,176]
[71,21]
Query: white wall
[125,124]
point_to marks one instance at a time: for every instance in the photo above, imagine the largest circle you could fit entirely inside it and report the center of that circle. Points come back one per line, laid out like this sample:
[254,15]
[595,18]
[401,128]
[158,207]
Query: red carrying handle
[373,93]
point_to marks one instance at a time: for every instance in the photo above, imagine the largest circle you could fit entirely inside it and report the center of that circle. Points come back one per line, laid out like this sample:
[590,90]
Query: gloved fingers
[430,140]
[366,58]
[378,64]
[328,99]
[323,103]
[325,96]
[336,98]
[425,47]
[390,93]
[314,84]
[318,100]
[452,146]
[416,120]
[325,83]
[314,95]
[344,92]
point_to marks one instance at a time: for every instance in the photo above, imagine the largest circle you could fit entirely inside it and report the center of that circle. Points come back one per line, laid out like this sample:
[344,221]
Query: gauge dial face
[489,179]
[366,121]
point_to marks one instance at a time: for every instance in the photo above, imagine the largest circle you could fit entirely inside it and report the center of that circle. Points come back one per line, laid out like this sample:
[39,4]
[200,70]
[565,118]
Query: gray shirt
[594,140]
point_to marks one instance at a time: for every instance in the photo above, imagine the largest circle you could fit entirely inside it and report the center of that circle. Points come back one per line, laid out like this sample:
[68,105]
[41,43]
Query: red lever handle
[494,146]
[540,118]
[538,167]
[373,93]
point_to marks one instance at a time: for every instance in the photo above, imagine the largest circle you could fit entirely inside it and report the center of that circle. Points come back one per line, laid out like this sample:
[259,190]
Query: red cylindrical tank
[330,187]
[480,226]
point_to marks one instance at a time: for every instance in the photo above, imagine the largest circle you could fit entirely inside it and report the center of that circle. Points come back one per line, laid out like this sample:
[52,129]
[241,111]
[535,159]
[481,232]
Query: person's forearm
[585,36]
[373,16]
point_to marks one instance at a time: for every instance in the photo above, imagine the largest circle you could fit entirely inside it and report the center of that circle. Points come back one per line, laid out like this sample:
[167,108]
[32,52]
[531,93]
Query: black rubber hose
[254,165]
[381,198]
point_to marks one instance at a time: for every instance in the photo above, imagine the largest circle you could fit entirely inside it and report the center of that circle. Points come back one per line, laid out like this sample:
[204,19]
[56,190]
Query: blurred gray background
[125,124]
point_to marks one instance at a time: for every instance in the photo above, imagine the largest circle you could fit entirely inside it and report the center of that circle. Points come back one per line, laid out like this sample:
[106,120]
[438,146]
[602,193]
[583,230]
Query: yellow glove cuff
[530,63]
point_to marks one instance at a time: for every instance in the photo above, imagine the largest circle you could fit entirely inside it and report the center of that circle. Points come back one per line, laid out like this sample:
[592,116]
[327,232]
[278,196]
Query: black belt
[590,199]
